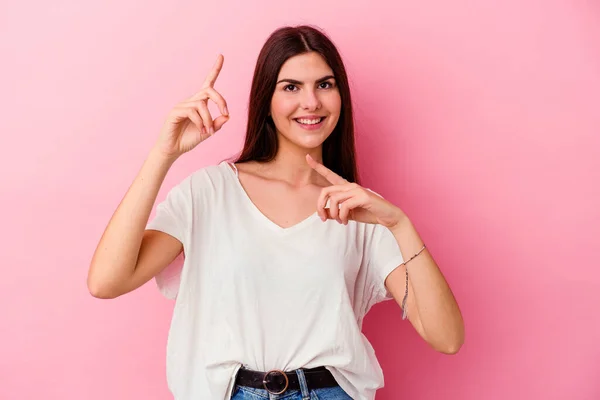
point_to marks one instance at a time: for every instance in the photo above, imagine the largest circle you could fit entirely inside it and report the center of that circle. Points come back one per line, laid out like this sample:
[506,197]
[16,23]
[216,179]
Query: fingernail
[225,111]
[212,130]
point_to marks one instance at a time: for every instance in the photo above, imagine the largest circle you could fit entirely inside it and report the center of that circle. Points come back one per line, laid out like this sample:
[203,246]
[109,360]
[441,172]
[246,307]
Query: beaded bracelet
[404,315]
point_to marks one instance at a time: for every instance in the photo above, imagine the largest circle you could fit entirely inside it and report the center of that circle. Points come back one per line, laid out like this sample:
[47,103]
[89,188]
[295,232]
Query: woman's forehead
[305,67]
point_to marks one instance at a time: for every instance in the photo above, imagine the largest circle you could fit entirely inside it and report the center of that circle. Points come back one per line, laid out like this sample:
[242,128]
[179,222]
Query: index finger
[214,73]
[325,172]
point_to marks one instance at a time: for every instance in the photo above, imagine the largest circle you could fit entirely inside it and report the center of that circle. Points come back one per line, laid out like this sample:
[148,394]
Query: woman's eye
[328,85]
[289,88]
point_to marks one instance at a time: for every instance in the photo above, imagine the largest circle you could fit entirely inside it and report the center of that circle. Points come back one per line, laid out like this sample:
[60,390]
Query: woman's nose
[310,100]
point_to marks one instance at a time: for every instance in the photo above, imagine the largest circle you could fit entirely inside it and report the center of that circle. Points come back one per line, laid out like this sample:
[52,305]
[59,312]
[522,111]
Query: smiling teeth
[309,121]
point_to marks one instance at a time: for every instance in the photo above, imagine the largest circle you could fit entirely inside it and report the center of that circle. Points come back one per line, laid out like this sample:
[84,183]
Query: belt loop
[303,384]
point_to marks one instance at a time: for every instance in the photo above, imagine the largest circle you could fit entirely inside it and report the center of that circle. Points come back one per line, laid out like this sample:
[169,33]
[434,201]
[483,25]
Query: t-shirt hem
[389,267]
[172,231]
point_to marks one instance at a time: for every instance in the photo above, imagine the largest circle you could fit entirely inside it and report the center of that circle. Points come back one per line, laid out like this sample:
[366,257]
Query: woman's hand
[189,122]
[350,201]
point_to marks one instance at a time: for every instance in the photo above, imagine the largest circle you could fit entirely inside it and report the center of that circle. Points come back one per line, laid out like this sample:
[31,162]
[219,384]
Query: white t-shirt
[252,293]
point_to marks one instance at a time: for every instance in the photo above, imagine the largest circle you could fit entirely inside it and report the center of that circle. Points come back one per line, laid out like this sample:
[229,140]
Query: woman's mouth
[310,124]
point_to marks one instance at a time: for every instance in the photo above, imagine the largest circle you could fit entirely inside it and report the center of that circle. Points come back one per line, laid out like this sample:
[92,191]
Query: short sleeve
[173,217]
[383,256]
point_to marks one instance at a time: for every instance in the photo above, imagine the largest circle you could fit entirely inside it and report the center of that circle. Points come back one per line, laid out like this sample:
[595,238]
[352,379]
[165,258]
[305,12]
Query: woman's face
[306,103]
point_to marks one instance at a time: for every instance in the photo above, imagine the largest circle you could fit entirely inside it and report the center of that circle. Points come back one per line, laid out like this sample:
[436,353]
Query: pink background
[481,119]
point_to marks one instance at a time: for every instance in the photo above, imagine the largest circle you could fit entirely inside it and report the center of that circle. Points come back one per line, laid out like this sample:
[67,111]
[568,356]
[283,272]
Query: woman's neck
[290,166]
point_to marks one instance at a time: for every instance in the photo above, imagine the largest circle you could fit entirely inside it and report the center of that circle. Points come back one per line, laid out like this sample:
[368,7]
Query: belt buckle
[275,371]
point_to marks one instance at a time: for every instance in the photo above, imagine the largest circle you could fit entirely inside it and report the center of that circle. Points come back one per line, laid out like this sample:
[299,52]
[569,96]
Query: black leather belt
[277,382]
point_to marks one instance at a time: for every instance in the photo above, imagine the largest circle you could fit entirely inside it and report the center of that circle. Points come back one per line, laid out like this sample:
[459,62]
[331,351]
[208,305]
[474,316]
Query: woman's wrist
[407,237]
[402,221]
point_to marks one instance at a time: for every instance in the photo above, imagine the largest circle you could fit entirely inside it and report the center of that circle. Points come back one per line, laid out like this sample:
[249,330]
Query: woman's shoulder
[216,175]
[247,167]
[211,172]
[204,179]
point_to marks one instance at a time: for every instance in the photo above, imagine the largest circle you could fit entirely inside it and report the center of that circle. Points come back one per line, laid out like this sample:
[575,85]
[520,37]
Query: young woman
[285,252]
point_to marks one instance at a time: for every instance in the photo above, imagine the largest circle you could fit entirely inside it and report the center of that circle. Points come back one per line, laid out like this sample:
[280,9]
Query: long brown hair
[261,141]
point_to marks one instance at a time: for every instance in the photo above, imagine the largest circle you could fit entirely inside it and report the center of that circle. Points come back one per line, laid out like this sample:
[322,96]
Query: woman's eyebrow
[295,82]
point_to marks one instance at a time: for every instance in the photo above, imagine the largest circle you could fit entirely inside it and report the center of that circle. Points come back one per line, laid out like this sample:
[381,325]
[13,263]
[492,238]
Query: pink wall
[480,119]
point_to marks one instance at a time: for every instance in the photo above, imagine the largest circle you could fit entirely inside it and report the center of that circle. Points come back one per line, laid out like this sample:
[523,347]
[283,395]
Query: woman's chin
[307,140]
[311,141]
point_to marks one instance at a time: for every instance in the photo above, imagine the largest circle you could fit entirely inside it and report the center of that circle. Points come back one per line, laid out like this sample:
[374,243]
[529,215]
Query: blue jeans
[331,393]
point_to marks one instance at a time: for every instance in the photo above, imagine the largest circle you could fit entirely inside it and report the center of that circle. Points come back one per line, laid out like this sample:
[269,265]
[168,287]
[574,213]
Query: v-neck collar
[259,214]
